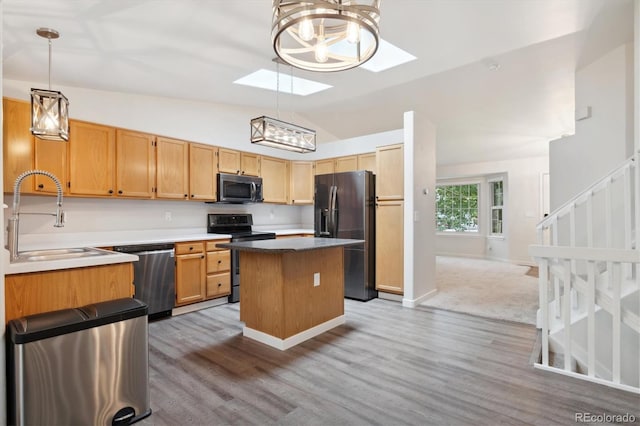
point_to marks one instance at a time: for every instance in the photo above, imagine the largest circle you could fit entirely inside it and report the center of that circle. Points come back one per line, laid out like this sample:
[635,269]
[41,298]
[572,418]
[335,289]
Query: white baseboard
[200,305]
[284,344]
[412,303]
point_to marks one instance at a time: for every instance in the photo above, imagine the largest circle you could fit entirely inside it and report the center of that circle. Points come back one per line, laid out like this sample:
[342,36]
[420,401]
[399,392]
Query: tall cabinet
[389,219]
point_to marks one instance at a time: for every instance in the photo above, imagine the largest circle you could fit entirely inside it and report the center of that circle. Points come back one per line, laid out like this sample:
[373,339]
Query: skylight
[387,56]
[265,79]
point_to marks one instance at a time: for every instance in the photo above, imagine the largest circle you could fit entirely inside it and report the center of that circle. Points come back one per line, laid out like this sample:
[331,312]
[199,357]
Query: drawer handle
[40,186]
[219,261]
[202,257]
[190,248]
[219,284]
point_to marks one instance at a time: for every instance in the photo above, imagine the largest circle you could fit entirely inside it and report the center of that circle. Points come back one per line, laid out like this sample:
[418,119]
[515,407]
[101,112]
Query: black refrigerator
[344,207]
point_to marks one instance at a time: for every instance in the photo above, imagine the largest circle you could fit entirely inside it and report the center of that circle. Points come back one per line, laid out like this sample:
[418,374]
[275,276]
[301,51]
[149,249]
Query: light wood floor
[387,365]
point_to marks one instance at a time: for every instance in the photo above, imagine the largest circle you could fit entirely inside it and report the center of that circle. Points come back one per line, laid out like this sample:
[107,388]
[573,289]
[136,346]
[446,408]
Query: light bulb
[353,32]
[321,50]
[305,30]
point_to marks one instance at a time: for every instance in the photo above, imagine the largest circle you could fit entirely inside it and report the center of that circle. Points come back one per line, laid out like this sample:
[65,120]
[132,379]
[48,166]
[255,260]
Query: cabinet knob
[219,261]
[242,172]
[190,248]
[219,284]
[111,191]
[120,191]
[40,186]
[192,195]
[202,257]
[186,195]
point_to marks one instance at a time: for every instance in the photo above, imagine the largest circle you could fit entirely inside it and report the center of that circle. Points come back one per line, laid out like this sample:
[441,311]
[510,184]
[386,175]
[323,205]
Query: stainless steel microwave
[239,188]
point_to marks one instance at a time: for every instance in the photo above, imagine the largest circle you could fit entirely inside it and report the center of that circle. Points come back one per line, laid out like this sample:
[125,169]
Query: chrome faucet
[14,220]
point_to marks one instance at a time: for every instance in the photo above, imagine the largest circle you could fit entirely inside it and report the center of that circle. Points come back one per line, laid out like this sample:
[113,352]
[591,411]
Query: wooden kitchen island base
[291,290]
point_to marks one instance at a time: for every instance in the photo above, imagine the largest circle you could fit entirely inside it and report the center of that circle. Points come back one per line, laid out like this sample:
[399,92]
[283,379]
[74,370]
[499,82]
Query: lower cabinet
[218,270]
[202,271]
[390,246]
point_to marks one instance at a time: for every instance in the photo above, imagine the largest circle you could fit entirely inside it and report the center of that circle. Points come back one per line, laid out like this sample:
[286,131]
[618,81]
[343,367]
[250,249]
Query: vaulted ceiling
[195,49]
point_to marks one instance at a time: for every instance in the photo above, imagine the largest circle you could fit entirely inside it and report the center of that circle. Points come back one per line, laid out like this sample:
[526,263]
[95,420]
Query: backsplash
[96,215]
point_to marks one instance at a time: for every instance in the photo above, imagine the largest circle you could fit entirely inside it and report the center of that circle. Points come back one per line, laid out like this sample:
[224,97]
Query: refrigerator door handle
[333,212]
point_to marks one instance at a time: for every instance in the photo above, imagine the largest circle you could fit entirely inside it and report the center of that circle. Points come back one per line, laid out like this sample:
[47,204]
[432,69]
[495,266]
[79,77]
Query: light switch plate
[316,279]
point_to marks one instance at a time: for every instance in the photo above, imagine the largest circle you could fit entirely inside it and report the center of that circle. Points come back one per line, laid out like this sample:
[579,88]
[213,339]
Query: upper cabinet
[367,162]
[202,172]
[92,150]
[347,164]
[172,168]
[275,180]
[18,144]
[325,167]
[301,182]
[239,163]
[52,157]
[135,164]
[390,172]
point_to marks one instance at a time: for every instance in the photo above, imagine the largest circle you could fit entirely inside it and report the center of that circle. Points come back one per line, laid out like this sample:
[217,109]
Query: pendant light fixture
[276,133]
[325,35]
[49,108]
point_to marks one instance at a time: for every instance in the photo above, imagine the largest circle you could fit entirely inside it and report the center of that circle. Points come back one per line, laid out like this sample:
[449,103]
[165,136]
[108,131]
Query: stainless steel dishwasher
[154,276]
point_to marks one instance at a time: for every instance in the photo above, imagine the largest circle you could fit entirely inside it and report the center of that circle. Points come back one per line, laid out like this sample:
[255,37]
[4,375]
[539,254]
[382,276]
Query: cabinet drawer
[218,285]
[188,248]
[211,245]
[218,261]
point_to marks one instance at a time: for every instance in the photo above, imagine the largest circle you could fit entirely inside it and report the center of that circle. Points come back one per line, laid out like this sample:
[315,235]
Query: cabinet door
[92,152]
[347,164]
[301,178]
[135,164]
[52,157]
[390,172]
[17,144]
[202,172]
[228,161]
[367,162]
[249,164]
[390,246]
[218,285]
[190,278]
[275,180]
[172,168]
[325,167]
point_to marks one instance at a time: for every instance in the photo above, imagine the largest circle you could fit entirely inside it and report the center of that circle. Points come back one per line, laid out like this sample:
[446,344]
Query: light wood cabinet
[38,292]
[92,159]
[52,157]
[367,162]
[218,282]
[390,246]
[202,172]
[18,144]
[301,182]
[325,167]
[172,168]
[229,161]
[275,180]
[249,164]
[135,164]
[190,273]
[347,164]
[390,172]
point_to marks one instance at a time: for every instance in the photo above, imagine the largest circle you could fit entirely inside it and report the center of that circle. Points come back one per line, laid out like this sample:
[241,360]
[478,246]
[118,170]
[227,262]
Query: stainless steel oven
[239,227]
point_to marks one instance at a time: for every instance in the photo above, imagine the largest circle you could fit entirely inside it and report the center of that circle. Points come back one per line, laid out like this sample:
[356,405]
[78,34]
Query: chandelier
[49,108]
[325,35]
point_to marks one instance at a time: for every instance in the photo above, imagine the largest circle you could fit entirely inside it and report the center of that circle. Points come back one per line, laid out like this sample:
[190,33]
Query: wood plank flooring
[388,365]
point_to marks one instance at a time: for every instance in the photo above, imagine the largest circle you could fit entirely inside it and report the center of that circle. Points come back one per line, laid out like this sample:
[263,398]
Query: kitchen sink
[59,254]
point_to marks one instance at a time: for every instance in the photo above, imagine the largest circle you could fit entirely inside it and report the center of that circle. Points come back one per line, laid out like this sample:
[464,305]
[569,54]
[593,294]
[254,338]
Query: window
[497,197]
[457,208]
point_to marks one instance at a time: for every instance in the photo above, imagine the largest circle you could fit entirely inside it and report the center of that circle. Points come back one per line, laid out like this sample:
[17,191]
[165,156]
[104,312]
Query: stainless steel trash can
[86,366]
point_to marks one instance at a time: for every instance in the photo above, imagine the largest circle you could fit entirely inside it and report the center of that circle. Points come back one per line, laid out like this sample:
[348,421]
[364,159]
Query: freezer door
[350,205]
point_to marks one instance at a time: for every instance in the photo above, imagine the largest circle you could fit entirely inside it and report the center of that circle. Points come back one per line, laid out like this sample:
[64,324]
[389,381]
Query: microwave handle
[253,191]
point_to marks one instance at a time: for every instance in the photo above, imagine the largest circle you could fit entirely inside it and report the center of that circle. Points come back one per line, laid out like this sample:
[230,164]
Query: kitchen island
[292,289]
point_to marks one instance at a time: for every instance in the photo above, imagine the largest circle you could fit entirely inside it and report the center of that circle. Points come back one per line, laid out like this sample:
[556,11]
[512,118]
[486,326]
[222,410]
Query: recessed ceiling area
[196,50]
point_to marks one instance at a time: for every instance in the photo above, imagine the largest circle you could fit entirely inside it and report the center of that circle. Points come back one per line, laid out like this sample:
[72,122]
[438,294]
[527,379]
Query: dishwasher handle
[145,248]
[149,252]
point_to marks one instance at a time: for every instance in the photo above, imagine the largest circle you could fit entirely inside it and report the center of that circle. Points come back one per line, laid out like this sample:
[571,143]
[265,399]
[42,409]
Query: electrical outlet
[316,279]
[167,216]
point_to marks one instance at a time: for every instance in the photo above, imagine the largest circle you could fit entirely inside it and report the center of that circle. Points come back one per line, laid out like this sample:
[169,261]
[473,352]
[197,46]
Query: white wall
[521,210]
[603,141]
[419,208]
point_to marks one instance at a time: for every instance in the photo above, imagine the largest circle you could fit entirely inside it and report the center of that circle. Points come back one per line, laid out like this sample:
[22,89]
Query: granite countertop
[290,244]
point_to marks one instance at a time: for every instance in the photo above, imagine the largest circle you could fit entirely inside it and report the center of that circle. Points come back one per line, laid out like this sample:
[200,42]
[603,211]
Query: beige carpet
[486,288]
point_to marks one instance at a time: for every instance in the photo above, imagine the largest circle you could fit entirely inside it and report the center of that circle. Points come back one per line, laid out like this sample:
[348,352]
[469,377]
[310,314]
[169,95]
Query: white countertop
[109,239]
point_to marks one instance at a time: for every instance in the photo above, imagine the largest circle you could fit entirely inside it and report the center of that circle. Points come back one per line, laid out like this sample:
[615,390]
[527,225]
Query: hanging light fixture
[49,108]
[325,35]
[276,133]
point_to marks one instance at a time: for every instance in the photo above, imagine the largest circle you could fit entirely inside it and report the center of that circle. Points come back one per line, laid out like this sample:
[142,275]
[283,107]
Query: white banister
[616,322]
[591,319]
[566,315]
[543,271]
